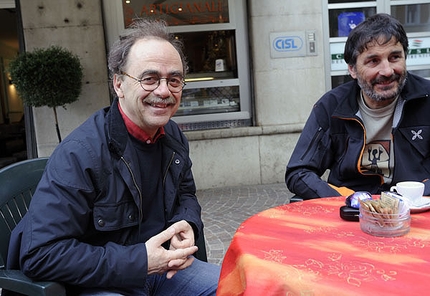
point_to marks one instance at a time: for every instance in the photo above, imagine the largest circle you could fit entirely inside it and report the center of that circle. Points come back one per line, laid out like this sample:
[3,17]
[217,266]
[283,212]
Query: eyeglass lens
[152,82]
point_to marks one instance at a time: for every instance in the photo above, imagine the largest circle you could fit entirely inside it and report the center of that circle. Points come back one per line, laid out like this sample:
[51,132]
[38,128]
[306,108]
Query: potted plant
[47,77]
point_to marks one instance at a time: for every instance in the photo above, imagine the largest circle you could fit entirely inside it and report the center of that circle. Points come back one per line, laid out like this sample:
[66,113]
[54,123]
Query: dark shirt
[149,159]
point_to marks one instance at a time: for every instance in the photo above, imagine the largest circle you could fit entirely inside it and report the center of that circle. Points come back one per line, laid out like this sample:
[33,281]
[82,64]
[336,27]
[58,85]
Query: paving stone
[224,209]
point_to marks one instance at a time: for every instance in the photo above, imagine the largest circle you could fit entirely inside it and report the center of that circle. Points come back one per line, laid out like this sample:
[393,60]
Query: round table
[305,248]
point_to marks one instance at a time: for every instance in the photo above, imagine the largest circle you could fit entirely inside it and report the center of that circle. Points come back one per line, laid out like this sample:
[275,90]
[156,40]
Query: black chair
[295,198]
[17,184]
[201,254]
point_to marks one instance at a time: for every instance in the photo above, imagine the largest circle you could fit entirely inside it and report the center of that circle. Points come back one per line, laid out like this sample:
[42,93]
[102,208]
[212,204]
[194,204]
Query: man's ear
[117,82]
[352,72]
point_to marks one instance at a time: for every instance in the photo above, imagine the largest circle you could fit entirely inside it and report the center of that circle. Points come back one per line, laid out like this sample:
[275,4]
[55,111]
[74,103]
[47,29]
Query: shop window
[177,13]
[217,92]
[415,18]
[343,15]
[343,1]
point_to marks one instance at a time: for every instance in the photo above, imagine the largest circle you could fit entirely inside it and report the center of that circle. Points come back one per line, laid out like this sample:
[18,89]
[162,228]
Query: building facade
[256,69]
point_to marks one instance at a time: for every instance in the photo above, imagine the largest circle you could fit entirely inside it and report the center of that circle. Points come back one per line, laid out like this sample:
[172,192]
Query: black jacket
[82,227]
[334,138]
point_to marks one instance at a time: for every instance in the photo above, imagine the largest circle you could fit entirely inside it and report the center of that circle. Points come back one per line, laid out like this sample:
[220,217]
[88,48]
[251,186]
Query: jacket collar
[117,131]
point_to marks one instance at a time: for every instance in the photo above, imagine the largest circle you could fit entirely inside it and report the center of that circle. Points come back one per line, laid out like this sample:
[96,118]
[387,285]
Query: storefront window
[177,13]
[208,100]
[217,92]
[210,53]
[415,18]
[343,15]
[338,80]
[344,1]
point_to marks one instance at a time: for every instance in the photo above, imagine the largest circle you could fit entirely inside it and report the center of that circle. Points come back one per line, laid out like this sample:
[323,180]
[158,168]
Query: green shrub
[47,77]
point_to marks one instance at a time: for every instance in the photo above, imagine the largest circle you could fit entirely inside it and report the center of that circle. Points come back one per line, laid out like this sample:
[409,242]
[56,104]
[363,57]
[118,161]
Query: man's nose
[163,89]
[386,68]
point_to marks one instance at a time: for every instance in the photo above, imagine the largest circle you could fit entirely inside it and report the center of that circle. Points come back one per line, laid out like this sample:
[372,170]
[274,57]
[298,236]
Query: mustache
[156,100]
[382,79]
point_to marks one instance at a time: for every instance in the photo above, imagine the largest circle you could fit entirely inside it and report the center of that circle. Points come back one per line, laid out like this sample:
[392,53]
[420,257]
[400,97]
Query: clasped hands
[160,260]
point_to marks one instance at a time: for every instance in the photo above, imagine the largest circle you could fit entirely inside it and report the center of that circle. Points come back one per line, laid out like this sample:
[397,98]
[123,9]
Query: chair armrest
[296,199]
[16,281]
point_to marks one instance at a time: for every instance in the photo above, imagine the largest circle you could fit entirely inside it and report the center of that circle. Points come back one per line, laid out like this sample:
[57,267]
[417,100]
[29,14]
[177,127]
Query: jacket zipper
[167,168]
[360,157]
[168,214]
[137,187]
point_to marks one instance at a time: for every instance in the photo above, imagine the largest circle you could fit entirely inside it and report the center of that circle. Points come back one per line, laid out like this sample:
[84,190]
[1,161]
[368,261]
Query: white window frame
[114,27]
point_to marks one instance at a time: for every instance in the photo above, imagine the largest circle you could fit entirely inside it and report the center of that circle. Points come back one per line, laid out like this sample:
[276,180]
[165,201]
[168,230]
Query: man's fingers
[175,265]
[183,262]
[171,273]
[183,253]
[163,236]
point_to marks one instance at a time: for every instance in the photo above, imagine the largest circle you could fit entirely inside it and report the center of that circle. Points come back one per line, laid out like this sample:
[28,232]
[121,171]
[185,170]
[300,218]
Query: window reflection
[338,80]
[344,1]
[177,13]
[209,52]
[209,100]
[415,18]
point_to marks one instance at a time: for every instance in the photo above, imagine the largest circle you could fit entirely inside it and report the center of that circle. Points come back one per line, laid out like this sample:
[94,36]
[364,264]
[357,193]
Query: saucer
[420,205]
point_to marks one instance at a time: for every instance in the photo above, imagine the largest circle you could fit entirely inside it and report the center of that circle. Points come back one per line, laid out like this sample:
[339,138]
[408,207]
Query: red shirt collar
[139,133]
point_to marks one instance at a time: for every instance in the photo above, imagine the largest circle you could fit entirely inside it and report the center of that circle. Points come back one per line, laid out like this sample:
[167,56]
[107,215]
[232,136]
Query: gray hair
[139,29]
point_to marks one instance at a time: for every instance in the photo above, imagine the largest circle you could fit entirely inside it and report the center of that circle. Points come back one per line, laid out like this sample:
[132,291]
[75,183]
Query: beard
[386,94]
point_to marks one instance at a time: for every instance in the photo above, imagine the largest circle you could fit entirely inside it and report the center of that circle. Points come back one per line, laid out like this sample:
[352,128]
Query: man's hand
[178,257]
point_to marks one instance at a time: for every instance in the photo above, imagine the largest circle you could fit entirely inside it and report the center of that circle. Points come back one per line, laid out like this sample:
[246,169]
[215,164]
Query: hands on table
[160,260]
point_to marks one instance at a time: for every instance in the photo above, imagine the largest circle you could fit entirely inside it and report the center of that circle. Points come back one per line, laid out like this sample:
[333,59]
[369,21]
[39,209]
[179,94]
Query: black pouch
[349,213]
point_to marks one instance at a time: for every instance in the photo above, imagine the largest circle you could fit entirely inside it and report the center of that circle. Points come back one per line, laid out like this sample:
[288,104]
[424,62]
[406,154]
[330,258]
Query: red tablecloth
[305,248]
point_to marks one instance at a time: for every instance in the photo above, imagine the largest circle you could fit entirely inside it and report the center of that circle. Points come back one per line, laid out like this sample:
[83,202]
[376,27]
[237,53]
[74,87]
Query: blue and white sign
[287,44]
[347,21]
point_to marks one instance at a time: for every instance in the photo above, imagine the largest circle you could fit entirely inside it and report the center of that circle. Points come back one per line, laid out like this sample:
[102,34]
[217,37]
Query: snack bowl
[384,225]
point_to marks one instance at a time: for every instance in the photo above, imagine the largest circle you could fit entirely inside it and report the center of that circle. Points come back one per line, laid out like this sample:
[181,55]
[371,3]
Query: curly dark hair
[377,28]
[139,29]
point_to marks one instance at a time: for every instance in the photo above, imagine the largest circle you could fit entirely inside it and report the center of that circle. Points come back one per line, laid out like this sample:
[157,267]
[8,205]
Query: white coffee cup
[410,190]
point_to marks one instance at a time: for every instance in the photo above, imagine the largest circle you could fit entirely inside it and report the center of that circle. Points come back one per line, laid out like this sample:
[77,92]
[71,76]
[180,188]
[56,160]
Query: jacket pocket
[110,217]
[315,139]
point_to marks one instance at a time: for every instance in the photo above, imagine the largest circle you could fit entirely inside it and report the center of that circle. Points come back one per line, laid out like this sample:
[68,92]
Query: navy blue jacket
[82,227]
[334,138]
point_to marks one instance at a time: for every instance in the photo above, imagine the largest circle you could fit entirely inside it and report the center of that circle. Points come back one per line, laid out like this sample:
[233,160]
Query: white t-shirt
[378,154]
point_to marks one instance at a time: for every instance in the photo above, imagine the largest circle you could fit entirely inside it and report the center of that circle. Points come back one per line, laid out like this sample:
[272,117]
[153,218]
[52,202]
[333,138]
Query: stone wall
[78,27]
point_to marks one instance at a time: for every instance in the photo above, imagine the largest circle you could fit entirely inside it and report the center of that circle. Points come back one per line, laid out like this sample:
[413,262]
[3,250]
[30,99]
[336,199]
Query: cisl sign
[287,44]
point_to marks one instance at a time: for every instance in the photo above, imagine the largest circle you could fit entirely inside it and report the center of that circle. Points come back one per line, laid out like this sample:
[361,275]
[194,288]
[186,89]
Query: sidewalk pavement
[224,209]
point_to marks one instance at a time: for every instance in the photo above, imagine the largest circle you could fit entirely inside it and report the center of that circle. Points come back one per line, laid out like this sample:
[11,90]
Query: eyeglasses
[150,82]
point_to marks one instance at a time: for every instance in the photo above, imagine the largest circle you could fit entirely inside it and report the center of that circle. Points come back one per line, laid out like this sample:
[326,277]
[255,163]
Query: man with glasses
[115,212]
